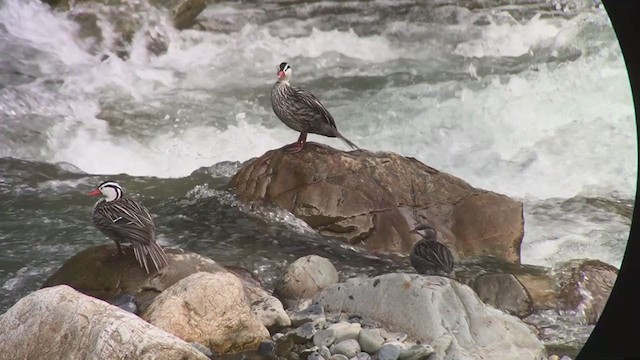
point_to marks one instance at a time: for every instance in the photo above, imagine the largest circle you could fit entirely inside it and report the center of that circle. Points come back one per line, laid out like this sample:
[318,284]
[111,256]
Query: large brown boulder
[375,199]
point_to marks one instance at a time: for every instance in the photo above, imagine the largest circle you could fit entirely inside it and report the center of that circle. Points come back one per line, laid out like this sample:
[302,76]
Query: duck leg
[298,145]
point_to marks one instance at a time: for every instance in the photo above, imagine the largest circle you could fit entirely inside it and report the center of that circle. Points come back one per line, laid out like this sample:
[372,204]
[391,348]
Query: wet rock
[284,344]
[348,348]
[346,330]
[584,285]
[429,307]
[416,352]
[370,340]
[313,313]
[304,278]
[211,309]
[324,337]
[267,348]
[85,328]
[541,289]
[504,292]
[185,14]
[375,199]
[388,352]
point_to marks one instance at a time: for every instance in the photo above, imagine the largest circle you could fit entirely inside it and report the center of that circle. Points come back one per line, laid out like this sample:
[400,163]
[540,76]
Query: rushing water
[530,99]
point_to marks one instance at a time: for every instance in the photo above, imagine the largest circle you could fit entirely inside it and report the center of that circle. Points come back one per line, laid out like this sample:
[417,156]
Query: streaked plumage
[429,256]
[123,220]
[301,111]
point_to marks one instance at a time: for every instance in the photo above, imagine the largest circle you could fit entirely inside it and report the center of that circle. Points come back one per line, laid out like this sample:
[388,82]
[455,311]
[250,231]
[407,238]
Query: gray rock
[388,352]
[416,352]
[370,340]
[324,351]
[504,292]
[315,356]
[267,348]
[338,357]
[361,356]
[313,313]
[348,348]
[203,349]
[430,307]
[283,344]
[346,330]
[304,279]
[324,337]
[302,334]
[126,302]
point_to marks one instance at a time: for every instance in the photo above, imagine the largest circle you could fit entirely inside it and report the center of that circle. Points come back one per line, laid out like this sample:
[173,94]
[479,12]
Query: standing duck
[301,111]
[123,220]
[428,256]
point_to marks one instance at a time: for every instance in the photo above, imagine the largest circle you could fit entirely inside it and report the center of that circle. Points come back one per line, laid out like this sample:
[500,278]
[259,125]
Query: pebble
[267,348]
[370,340]
[313,313]
[346,330]
[315,356]
[126,302]
[324,351]
[388,352]
[338,357]
[348,348]
[283,344]
[554,357]
[390,336]
[324,337]
[361,356]
[302,334]
[416,352]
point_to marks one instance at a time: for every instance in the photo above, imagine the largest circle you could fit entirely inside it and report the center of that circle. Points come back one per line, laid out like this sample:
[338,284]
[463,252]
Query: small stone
[315,356]
[203,349]
[338,357]
[324,337]
[416,352]
[302,334]
[126,302]
[267,348]
[313,313]
[370,340]
[361,356]
[324,351]
[305,352]
[346,331]
[554,357]
[390,336]
[388,352]
[348,348]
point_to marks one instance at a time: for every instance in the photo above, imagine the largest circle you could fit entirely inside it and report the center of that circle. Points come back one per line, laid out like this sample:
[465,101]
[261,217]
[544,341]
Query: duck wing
[125,220]
[312,105]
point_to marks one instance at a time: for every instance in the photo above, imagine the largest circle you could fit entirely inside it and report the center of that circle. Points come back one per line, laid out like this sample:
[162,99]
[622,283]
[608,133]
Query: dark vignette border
[617,333]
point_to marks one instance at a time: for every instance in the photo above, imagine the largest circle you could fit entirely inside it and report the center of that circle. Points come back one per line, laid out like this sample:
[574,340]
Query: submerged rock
[375,199]
[61,323]
[304,278]
[430,308]
[585,285]
[211,309]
